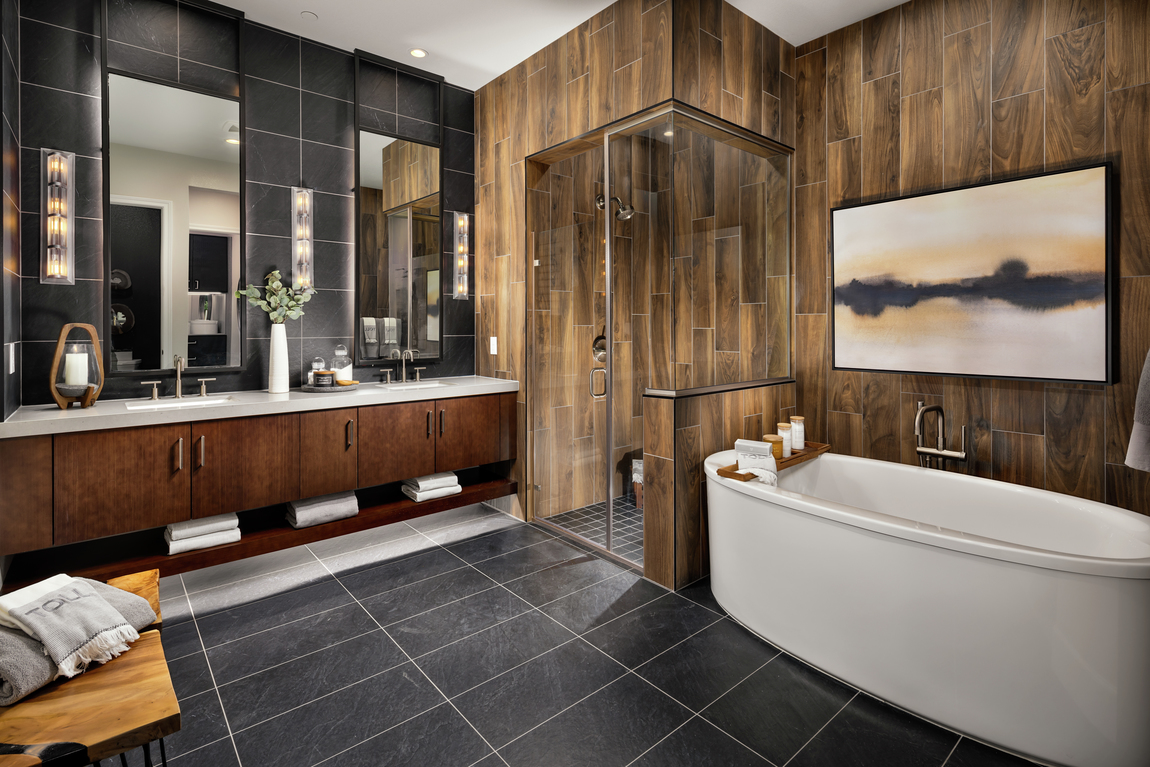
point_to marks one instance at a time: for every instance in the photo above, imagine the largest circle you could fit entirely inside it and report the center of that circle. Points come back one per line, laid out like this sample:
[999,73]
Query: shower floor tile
[590,522]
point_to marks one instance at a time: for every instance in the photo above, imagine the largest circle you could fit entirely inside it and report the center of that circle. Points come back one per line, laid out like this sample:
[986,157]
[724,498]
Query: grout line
[273,628]
[821,729]
[305,655]
[655,745]
[948,756]
[212,674]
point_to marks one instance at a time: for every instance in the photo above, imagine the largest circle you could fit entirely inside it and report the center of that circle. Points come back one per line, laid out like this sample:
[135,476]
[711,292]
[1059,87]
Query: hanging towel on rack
[1138,454]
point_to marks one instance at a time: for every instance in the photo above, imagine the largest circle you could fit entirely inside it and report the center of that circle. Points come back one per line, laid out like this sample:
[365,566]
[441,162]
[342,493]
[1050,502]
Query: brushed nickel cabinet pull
[350,433]
[180,450]
[429,421]
[203,454]
[442,418]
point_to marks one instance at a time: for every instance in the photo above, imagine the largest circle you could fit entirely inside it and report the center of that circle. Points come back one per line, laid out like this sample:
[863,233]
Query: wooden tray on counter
[812,450]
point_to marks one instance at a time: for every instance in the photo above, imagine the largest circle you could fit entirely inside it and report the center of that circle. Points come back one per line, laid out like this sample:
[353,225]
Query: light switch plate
[494,345]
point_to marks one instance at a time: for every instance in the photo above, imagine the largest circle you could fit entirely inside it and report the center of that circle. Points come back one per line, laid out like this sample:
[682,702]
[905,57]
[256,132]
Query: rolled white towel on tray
[325,508]
[193,527]
[432,481]
[426,495]
[218,538]
[757,458]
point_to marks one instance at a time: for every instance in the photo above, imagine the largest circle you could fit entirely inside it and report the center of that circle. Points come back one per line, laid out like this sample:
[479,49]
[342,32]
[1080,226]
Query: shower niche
[658,264]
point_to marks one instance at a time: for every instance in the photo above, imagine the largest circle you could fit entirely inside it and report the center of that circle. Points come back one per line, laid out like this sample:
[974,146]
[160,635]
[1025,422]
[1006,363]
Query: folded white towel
[432,481]
[218,538]
[325,508]
[193,527]
[23,596]
[426,495]
[757,458]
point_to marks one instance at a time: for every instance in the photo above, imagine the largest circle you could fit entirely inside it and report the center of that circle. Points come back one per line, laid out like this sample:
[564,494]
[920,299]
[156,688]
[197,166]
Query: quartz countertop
[34,420]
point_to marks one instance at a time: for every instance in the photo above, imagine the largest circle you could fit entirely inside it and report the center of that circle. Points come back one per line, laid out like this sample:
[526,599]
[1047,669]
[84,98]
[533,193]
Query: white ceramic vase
[278,364]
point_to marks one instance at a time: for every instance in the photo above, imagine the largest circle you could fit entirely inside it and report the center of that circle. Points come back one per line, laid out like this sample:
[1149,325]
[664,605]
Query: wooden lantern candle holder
[90,395]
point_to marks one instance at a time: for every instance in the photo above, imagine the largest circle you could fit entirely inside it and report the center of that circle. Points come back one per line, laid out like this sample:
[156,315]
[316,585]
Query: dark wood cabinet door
[397,442]
[467,432]
[327,452]
[26,498]
[244,463]
[116,481]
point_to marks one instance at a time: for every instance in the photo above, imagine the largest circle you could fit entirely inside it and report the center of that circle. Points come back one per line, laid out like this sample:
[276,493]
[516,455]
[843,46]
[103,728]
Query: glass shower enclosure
[660,264]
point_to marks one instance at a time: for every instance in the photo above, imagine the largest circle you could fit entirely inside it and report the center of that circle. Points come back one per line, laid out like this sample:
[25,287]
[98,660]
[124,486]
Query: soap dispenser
[341,364]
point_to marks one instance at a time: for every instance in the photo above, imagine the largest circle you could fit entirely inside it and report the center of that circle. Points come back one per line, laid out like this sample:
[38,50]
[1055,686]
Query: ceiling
[172,120]
[470,43]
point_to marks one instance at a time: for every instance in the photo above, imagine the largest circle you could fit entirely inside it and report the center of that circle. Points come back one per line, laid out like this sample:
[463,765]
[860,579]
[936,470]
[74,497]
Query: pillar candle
[76,369]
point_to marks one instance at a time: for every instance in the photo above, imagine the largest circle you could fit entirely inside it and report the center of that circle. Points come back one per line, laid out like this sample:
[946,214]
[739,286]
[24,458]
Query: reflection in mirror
[174,227]
[398,288]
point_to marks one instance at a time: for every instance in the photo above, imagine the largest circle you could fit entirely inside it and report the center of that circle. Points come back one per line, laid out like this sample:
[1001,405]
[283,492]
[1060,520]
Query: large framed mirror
[174,228]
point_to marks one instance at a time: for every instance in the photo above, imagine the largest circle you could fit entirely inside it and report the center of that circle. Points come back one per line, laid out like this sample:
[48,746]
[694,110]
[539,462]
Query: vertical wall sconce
[462,258]
[57,251]
[303,276]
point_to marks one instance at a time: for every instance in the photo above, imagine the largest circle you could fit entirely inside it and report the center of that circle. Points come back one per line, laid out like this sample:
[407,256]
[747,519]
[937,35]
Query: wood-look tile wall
[939,93]
[410,172]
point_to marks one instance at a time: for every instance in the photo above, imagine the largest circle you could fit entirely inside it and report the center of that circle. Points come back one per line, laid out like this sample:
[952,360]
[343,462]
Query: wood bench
[124,704]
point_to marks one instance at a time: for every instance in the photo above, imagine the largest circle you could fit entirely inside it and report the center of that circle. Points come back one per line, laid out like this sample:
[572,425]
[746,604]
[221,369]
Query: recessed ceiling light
[418,53]
[231,132]
[309,16]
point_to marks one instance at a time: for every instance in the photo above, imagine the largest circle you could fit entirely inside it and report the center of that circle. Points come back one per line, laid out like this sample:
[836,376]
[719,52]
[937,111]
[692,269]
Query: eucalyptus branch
[280,301]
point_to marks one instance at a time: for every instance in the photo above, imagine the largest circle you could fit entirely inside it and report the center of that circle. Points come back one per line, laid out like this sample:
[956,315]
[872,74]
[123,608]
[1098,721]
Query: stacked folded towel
[202,533]
[57,627]
[757,458]
[325,508]
[432,486]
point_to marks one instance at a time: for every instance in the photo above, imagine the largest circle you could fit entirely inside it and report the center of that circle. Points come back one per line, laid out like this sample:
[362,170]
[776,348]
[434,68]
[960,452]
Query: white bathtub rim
[931,535]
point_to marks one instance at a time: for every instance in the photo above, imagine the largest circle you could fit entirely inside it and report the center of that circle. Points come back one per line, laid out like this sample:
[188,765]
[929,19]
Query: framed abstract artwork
[1010,279]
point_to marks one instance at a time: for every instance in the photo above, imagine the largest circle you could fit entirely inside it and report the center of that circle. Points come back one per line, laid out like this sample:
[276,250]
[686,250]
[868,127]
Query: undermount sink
[415,385]
[177,404]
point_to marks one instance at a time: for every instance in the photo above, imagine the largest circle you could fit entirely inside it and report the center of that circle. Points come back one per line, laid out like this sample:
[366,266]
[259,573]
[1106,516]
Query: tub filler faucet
[930,457]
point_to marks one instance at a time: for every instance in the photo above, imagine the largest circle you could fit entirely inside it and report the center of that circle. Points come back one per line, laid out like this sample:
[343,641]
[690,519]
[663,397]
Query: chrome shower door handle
[591,382]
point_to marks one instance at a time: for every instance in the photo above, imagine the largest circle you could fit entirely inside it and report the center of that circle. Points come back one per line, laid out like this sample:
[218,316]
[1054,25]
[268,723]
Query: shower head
[624,212]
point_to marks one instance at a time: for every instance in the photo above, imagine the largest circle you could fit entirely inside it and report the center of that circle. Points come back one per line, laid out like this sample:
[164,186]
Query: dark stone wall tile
[328,168]
[407,127]
[272,159]
[79,15]
[151,24]
[328,314]
[457,357]
[10,179]
[327,120]
[458,191]
[320,347]
[417,97]
[10,25]
[458,108]
[327,71]
[10,83]
[30,245]
[141,61]
[30,180]
[48,308]
[59,58]
[458,151]
[10,262]
[65,121]
[269,209]
[266,254]
[377,120]
[458,316]
[209,38]
[334,265]
[377,87]
[271,107]
[35,362]
[209,78]
[89,200]
[334,218]
[271,55]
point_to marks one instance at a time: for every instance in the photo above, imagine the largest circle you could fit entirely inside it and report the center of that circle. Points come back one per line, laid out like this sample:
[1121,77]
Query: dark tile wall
[299,115]
[10,199]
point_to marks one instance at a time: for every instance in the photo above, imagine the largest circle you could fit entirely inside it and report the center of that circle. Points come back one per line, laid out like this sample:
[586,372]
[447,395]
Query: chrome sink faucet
[408,354]
[178,361]
[928,455]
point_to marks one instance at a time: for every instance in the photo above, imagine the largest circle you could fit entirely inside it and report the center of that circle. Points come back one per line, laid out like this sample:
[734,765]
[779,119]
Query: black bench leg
[147,755]
[163,755]
[123,760]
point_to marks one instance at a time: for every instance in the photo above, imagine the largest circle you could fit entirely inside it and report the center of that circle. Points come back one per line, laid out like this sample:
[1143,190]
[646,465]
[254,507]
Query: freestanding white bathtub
[1020,617]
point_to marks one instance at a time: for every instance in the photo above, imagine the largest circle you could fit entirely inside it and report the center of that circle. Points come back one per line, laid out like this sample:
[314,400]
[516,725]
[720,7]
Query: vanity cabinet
[328,452]
[120,480]
[26,498]
[467,432]
[244,463]
[399,442]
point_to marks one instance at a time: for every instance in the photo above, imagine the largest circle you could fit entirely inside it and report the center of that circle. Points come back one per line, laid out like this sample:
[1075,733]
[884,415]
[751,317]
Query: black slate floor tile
[432,630]
[201,722]
[190,675]
[589,608]
[643,633]
[559,580]
[700,744]
[222,753]
[271,612]
[307,735]
[503,542]
[241,569]
[697,671]
[406,601]
[401,572]
[699,592]
[439,737]
[175,611]
[252,590]
[512,703]
[971,753]
[180,640]
[258,652]
[479,657]
[779,708]
[869,732]
[608,729]
[516,564]
[262,696]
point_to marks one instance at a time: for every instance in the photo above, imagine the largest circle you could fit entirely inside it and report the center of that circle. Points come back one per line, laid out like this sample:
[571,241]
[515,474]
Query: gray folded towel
[1138,453]
[25,668]
[178,531]
[433,481]
[325,508]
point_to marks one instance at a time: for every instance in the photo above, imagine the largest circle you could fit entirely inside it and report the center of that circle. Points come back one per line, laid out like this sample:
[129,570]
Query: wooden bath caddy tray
[812,450]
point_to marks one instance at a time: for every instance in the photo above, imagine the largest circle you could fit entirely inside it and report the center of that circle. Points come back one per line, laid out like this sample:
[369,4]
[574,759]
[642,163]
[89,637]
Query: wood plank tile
[537,107]
[1017,406]
[966,105]
[968,403]
[727,367]
[517,95]
[787,113]
[1075,101]
[778,327]
[1065,15]
[710,73]
[844,82]
[1018,140]
[659,427]
[810,119]
[881,166]
[810,46]
[1019,459]
[555,114]
[1075,437]
[703,357]
[579,106]
[922,142]
[563,461]
[621,289]
[1128,488]
[587,464]
[579,51]
[923,384]
[701,176]
[1128,112]
[685,41]
[628,32]
[1127,43]
[661,377]
[731,107]
[727,294]
[880,408]
[603,18]
[1017,45]
[727,198]
[753,261]
[690,545]
[772,117]
[502,201]
[541,474]
[881,44]
[921,45]
[786,58]
[732,38]
[811,249]
[752,75]
[659,520]
[1134,341]
[964,14]
[778,217]
[656,80]
[628,90]
[753,353]
[811,372]
[772,61]
[684,290]
[909,408]
[602,73]
[844,391]
[485,122]
[703,273]
[640,358]
[845,433]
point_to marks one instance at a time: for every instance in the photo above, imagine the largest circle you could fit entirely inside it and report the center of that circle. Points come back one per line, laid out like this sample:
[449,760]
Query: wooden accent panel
[1018,458]
[467,432]
[924,384]
[880,429]
[26,501]
[1017,45]
[1128,114]
[968,403]
[922,142]
[1127,43]
[656,55]
[328,452]
[881,175]
[845,433]
[1017,135]
[921,45]
[810,120]
[881,44]
[116,481]
[811,372]
[844,83]
[964,14]
[1075,101]
[659,520]
[811,249]
[398,442]
[410,172]
[1075,455]
[1018,406]
[1128,488]
[690,512]
[243,463]
[966,105]
[810,46]
[1065,15]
